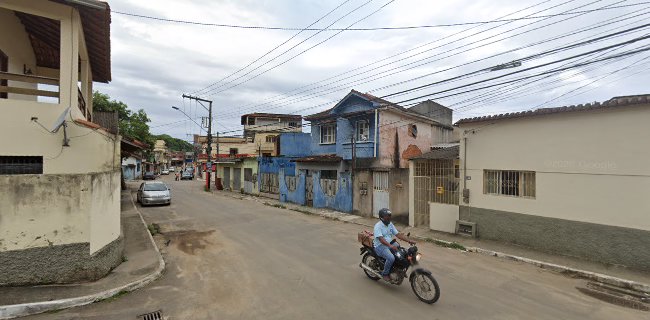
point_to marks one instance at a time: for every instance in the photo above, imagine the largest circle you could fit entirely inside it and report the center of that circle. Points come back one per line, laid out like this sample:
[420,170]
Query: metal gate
[380,194]
[236,183]
[270,183]
[422,194]
[226,178]
[309,190]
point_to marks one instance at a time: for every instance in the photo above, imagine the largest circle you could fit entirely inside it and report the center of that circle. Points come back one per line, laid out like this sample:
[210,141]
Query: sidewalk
[613,275]
[143,265]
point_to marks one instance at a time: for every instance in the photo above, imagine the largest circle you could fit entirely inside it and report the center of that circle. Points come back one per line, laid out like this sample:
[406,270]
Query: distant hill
[174,144]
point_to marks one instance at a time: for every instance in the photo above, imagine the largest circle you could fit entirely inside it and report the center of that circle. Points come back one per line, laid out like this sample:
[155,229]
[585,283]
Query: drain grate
[156,315]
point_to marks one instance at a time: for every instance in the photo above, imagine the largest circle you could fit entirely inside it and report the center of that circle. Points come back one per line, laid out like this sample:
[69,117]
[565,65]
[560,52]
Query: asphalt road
[239,259]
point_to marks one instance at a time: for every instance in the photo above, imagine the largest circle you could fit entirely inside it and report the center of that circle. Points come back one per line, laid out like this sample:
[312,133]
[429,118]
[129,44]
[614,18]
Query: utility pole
[208,165]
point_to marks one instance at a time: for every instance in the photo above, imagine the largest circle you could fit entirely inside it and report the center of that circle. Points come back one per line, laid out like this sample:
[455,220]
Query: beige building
[264,129]
[161,156]
[59,171]
[572,180]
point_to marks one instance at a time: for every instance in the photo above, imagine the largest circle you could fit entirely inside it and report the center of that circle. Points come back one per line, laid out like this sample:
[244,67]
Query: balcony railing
[28,79]
[24,78]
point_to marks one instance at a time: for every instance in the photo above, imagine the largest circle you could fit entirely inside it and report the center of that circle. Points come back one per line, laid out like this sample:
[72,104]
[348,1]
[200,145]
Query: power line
[286,51]
[295,56]
[235,26]
[401,68]
[275,48]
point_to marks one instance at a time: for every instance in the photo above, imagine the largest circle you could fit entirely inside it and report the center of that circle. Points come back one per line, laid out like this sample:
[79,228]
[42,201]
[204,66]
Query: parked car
[190,170]
[187,175]
[154,192]
[172,169]
[165,171]
[149,175]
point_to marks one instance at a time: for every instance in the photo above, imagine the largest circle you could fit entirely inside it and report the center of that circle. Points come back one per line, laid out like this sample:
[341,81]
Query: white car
[172,169]
[165,171]
[154,192]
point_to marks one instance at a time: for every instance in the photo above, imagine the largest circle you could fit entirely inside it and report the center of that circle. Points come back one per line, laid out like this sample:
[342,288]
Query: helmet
[384,212]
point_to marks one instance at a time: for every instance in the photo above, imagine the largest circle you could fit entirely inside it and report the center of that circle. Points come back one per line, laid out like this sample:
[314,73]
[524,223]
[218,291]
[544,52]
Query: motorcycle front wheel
[425,287]
[369,260]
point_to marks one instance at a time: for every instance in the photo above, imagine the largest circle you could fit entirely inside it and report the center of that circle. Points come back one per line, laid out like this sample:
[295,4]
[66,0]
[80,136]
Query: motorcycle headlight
[417,257]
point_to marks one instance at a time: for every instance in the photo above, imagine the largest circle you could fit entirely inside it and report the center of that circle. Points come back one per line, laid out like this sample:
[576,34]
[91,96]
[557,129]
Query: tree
[132,125]
[175,144]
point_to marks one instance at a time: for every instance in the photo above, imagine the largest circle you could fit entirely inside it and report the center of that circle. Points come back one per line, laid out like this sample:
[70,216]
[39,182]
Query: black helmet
[384,212]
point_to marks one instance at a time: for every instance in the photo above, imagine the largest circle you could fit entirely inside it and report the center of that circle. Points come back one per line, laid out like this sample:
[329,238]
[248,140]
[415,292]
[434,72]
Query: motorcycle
[422,282]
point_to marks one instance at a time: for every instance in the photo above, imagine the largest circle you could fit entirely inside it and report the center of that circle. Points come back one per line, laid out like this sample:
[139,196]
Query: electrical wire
[401,68]
[272,50]
[235,26]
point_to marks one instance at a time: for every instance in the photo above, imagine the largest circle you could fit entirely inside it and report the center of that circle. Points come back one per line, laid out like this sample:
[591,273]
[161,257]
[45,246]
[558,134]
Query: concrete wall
[362,203]
[394,129]
[14,42]
[399,194]
[296,196]
[434,110]
[442,217]
[592,183]
[342,201]
[45,210]
[295,144]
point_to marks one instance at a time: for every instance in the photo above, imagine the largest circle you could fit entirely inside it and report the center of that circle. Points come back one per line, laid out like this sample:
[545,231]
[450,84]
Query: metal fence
[434,181]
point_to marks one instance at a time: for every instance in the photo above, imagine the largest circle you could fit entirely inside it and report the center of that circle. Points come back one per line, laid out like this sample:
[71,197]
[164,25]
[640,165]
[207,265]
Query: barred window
[270,138]
[509,183]
[21,165]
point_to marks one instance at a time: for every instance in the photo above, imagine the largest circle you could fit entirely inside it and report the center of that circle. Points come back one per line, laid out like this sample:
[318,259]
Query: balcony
[5,89]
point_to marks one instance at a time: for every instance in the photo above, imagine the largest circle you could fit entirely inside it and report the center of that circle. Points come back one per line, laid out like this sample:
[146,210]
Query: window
[293,124]
[271,138]
[328,134]
[21,165]
[233,152]
[4,67]
[250,121]
[328,174]
[363,131]
[509,183]
[266,154]
[137,167]
[413,130]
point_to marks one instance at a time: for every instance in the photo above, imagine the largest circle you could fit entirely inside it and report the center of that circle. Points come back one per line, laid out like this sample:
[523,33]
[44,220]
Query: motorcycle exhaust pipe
[369,269]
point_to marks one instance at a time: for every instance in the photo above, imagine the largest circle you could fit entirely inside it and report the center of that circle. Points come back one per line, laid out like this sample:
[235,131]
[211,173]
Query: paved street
[238,259]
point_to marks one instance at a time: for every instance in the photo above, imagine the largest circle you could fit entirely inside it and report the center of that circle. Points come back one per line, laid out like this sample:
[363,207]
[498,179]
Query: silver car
[154,192]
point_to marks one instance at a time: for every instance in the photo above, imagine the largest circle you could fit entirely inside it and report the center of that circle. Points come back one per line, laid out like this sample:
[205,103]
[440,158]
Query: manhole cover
[156,315]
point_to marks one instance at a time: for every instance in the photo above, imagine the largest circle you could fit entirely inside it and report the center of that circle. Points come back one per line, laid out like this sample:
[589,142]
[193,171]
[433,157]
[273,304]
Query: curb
[26,309]
[598,277]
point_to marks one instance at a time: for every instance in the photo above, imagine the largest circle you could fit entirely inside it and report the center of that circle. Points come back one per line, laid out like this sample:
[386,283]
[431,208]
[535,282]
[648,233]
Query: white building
[572,180]
[60,199]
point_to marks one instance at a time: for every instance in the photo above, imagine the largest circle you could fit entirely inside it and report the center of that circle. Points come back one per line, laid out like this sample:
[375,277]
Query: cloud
[155,62]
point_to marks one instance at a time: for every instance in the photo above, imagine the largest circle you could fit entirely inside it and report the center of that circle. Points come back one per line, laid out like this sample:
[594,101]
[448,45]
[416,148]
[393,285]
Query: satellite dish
[60,121]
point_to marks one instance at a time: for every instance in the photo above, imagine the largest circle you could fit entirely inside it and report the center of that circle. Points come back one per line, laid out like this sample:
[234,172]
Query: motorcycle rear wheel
[369,260]
[422,285]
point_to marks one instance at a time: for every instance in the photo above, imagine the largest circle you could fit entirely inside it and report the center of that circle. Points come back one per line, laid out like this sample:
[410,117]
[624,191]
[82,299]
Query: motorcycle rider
[384,243]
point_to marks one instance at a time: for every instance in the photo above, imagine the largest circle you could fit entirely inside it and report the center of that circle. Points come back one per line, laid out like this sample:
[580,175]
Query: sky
[155,62]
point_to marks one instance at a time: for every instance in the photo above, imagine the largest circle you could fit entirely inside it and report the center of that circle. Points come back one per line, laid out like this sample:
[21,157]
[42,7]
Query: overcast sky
[155,62]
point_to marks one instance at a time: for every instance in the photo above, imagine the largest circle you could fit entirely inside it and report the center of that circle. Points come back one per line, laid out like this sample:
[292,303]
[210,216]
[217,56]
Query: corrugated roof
[319,158]
[440,154]
[611,103]
[369,97]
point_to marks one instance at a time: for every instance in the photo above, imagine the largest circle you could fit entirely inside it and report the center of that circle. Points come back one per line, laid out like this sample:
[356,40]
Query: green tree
[132,125]
[175,144]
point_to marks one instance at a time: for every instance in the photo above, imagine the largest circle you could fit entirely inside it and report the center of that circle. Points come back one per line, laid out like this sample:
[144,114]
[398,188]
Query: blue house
[272,170]
[358,154]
